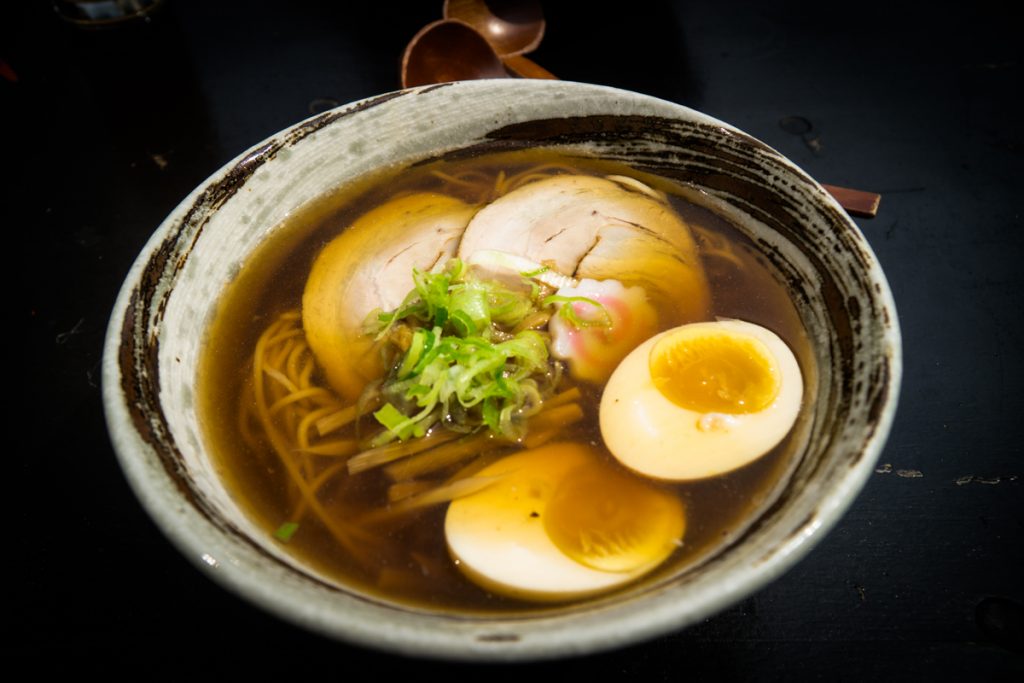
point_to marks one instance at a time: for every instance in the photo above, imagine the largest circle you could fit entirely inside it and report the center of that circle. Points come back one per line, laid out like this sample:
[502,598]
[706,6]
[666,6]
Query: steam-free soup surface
[369,544]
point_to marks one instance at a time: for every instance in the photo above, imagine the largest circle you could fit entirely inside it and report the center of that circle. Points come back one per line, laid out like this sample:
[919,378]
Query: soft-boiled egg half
[701,400]
[560,523]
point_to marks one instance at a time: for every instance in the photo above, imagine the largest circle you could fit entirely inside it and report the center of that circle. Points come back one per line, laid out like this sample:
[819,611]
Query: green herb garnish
[463,366]
[285,532]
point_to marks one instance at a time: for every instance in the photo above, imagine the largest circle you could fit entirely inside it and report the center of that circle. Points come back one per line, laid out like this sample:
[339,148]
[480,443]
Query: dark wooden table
[105,131]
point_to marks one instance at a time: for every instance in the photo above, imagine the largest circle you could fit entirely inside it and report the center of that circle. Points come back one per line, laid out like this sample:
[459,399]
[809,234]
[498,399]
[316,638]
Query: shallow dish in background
[170,296]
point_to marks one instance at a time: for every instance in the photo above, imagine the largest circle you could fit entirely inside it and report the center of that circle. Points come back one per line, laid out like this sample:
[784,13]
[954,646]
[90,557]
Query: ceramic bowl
[157,330]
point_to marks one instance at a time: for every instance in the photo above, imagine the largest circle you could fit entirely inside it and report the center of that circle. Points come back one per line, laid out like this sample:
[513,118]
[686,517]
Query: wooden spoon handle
[527,68]
[856,202]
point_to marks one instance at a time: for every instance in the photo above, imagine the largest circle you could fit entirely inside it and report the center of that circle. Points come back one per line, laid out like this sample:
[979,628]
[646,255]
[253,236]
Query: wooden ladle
[449,50]
[512,27]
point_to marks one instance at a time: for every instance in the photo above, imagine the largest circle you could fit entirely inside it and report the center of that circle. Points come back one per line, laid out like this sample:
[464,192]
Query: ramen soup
[510,382]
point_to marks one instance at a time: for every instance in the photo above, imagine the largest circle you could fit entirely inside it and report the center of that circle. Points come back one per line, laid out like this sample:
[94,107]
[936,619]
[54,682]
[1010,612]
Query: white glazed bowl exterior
[170,295]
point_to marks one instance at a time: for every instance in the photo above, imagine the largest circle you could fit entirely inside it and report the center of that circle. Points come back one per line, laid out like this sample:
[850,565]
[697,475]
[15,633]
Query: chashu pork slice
[369,266]
[591,227]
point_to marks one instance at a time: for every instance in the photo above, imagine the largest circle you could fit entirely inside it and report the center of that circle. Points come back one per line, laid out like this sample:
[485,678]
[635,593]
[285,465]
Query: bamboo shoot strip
[405,489]
[443,494]
[557,416]
[396,451]
[442,457]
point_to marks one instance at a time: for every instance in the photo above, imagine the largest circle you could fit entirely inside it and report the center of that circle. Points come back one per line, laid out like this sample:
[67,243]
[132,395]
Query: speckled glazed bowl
[157,330]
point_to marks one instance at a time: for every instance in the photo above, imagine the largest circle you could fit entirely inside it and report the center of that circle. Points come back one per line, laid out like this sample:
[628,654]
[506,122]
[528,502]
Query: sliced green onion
[491,414]
[463,324]
[452,371]
[396,423]
[285,532]
[568,311]
[413,355]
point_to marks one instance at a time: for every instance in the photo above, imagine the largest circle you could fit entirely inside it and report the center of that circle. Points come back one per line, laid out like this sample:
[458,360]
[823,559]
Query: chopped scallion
[455,369]
[285,532]
[568,310]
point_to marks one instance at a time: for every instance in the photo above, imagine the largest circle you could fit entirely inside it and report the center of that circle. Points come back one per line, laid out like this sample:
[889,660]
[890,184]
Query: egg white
[498,540]
[651,435]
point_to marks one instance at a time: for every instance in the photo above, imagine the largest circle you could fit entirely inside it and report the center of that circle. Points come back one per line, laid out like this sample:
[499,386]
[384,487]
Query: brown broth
[413,568]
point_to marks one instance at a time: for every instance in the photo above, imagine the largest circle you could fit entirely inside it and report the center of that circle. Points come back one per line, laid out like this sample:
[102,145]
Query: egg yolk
[715,371]
[612,522]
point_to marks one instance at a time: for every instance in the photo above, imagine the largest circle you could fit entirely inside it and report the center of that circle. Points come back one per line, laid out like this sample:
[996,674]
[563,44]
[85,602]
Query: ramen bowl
[814,251]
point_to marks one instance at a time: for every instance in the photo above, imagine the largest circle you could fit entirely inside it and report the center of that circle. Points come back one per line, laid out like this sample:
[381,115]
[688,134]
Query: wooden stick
[527,68]
[856,202]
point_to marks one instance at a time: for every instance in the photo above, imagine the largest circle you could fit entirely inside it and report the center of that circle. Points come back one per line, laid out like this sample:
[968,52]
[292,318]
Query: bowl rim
[408,634]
